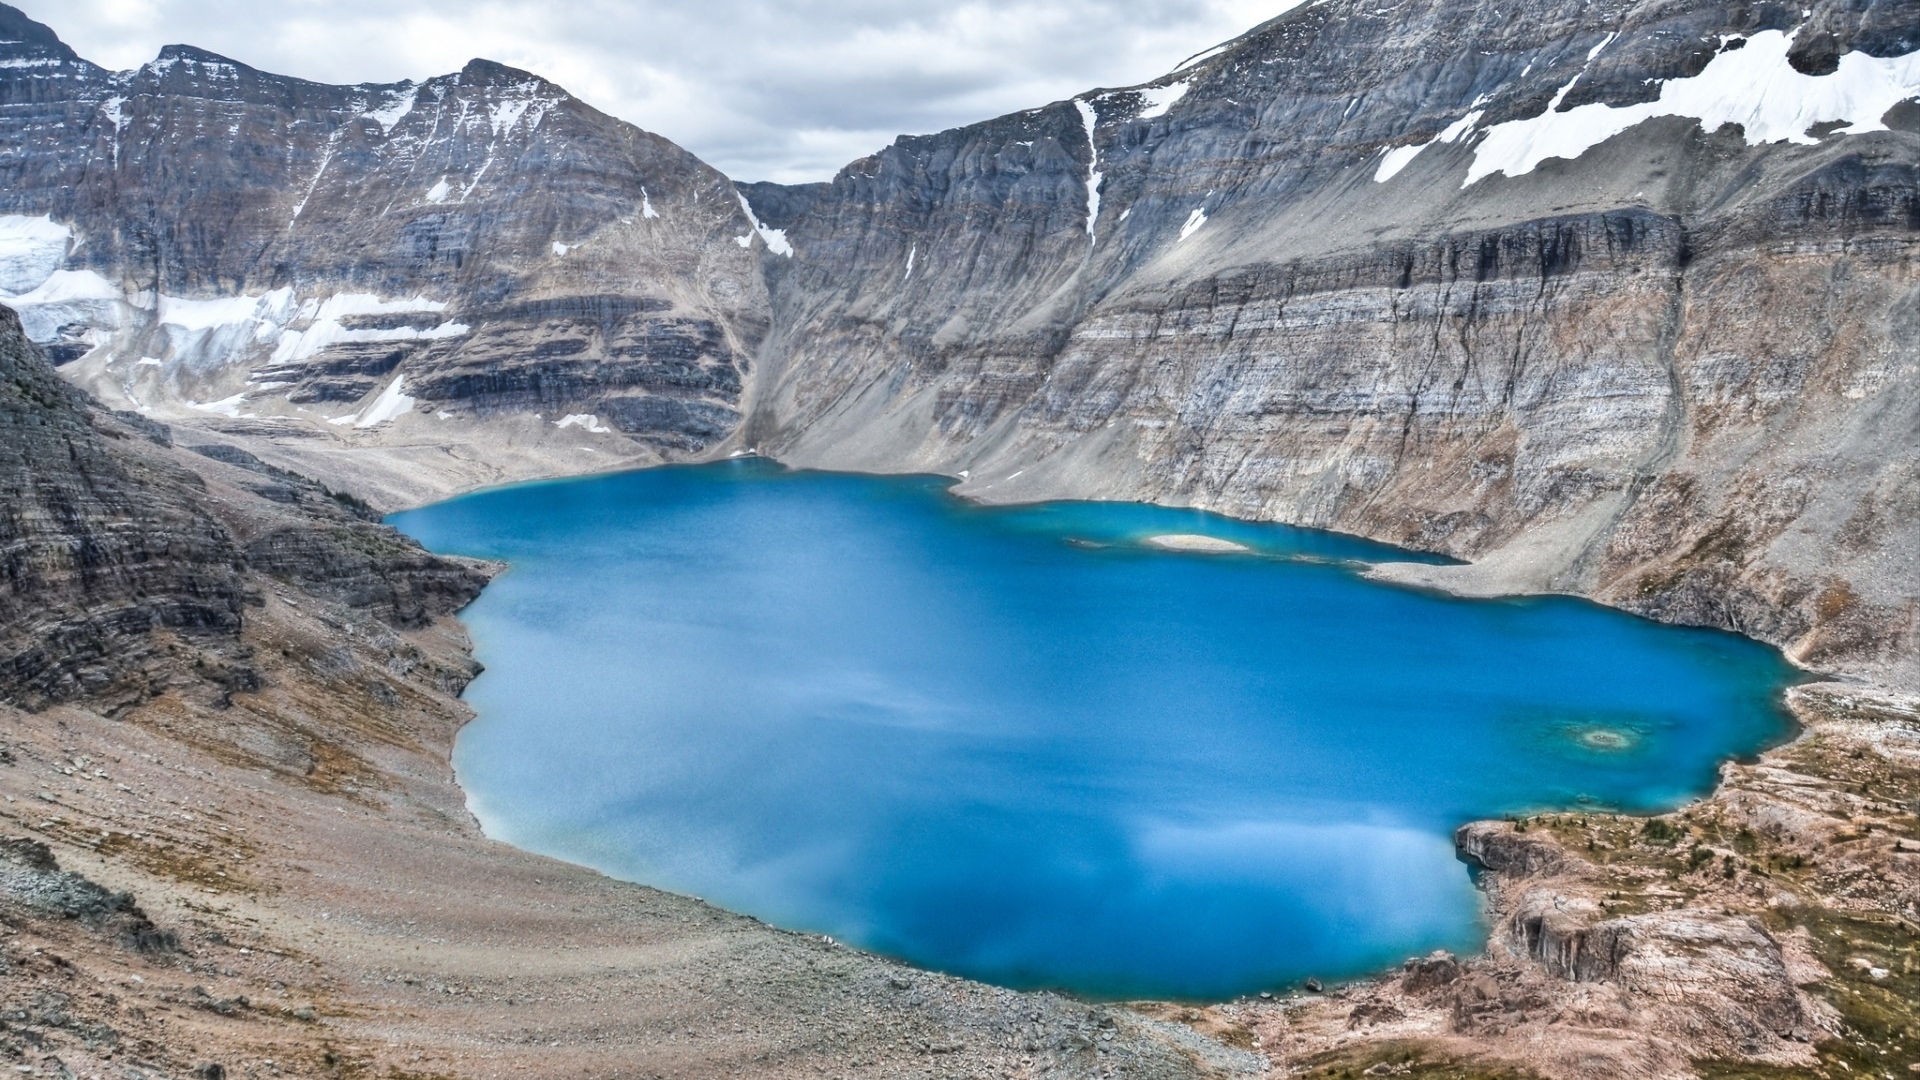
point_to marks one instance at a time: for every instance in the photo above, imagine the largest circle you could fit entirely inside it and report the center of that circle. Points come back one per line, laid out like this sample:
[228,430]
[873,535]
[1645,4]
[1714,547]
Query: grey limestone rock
[482,243]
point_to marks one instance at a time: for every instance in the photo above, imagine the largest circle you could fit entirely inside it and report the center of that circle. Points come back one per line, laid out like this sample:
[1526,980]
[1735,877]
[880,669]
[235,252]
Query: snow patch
[1203,54]
[646,205]
[583,420]
[66,298]
[560,248]
[208,333]
[1753,86]
[1400,157]
[225,406]
[776,239]
[505,114]
[392,404]
[1088,119]
[313,185]
[439,191]
[1194,221]
[31,249]
[1157,100]
[326,324]
[194,315]
[911,252]
[66,287]
[395,109]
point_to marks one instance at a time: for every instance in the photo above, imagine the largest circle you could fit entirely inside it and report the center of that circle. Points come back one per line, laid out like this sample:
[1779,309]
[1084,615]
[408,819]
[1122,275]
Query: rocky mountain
[1608,298]
[442,261]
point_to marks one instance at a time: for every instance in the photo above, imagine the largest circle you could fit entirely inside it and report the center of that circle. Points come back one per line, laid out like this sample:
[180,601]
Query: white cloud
[763,90]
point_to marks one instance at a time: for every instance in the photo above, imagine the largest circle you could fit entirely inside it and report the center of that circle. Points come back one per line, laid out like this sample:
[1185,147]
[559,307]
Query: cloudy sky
[764,89]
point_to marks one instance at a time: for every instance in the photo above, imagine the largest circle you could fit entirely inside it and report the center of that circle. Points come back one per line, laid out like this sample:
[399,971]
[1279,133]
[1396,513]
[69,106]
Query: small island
[1195,542]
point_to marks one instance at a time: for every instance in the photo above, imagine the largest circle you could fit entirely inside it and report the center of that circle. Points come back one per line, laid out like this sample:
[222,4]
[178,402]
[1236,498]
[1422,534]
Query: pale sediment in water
[1195,542]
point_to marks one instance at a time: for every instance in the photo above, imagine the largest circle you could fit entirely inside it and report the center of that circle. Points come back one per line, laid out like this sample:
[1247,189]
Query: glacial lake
[1021,744]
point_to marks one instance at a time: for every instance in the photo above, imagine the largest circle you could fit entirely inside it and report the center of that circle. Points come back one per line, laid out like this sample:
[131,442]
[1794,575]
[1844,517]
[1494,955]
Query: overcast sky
[764,89]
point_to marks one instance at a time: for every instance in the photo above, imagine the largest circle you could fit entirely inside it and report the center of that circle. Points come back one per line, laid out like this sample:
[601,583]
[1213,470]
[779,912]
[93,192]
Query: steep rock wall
[1511,287]
[128,566]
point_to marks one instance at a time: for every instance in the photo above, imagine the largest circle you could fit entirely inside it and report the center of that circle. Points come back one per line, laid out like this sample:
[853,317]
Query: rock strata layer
[479,260]
[127,576]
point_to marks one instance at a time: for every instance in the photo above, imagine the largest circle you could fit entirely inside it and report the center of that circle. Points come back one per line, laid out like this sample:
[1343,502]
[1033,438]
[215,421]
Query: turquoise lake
[1018,744]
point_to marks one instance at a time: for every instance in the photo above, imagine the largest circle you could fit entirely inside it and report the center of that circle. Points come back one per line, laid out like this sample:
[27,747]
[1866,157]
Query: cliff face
[1613,299]
[106,566]
[129,565]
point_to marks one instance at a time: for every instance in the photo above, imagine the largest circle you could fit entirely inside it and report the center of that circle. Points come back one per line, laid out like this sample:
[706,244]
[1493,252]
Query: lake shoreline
[594,682]
[1387,1021]
[334,921]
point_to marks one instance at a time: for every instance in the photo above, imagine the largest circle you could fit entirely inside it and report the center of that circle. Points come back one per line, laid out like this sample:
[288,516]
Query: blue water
[1016,744]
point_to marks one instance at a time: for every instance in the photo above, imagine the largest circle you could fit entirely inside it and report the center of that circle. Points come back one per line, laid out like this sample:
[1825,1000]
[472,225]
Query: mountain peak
[483,72]
[190,54]
[16,29]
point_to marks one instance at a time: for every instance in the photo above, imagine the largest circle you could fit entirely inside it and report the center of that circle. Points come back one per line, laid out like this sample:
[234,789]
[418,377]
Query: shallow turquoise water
[1015,744]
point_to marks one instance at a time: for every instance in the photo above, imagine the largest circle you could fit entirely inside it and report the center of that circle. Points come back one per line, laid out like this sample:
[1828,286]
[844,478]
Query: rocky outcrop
[108,562]
[1492,845]
[1770,926]
[1726,973]
[31,878]
[124,573]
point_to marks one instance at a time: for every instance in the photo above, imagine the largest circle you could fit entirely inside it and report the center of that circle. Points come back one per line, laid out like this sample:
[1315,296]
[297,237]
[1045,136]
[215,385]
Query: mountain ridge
[200,279]
[1272,282]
